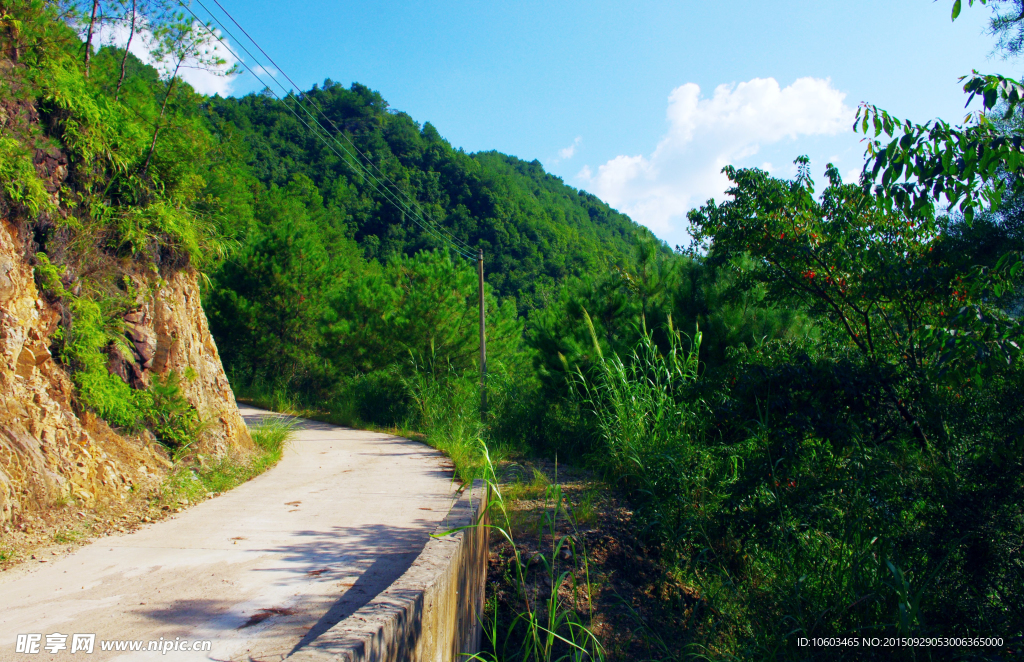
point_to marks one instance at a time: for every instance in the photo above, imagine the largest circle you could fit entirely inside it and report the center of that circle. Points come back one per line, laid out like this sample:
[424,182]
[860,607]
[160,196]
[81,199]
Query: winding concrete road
[259,571]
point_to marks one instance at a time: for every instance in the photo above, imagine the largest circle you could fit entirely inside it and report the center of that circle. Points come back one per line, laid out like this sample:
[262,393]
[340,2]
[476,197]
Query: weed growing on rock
[85,347]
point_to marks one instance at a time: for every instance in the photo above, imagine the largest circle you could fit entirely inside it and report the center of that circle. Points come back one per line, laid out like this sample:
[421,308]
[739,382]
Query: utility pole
[483,339]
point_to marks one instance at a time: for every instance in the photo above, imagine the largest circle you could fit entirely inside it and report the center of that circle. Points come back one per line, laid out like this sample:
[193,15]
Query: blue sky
[639,102]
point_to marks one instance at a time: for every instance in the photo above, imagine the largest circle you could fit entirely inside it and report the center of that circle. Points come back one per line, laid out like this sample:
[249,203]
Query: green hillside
[535,231]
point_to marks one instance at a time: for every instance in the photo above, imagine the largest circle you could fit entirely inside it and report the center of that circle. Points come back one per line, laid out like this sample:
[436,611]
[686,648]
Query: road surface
[258,571]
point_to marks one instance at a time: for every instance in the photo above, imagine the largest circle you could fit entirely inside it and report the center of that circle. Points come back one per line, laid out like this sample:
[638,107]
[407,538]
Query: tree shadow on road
[343,568]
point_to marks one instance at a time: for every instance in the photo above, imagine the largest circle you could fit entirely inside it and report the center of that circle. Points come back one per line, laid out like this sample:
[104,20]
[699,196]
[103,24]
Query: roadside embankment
[56,453]
[432,612]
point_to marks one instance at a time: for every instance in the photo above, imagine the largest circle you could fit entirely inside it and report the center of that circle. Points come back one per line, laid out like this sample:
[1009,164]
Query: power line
[374,181]
[431,229]
[319,110]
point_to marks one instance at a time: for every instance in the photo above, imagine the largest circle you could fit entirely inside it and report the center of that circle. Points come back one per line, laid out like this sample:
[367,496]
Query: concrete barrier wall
[432,612]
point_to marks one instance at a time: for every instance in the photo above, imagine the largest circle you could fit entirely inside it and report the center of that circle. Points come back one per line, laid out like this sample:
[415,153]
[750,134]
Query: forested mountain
[534,230]
[352,240]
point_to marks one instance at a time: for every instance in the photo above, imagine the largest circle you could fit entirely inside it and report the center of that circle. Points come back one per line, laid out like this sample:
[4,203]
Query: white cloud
[706,134]
[568,152]
[262,71]
[201,80]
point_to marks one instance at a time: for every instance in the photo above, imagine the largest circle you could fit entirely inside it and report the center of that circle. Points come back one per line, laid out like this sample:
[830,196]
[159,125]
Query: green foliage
[320,289]
[162,408]
[421,308]
[875,276]
[132,229]
[126,202]
[542,627]
[48,276]
[82,346]
[789,521]
[181,42]
[268,301]
[1007,26]
[649,424]
[272,433]
[85,346]
[972,166]
[836,451]
[858,480]
[21,184]
[169,415]
[721,297]
[448,412]
[296,314]
[380,397]
[106,198]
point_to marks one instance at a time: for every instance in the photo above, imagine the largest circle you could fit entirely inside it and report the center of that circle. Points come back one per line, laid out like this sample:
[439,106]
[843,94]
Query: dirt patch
[264,614]
[594,549]
[59,530]
[42,536]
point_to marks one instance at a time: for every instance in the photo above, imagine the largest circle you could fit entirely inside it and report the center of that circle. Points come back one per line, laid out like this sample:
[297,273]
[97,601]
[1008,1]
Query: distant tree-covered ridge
[535,230]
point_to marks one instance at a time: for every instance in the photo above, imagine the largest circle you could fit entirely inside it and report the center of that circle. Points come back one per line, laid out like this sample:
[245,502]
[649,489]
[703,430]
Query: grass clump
[68,535]
[175,422]
[81,348]
[535,488]
[551,616]
[448,414]
[585,511]
[191,484]
[271,435]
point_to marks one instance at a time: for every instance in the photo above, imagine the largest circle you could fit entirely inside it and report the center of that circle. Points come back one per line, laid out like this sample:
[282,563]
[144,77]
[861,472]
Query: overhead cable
[425,225]
[319,110]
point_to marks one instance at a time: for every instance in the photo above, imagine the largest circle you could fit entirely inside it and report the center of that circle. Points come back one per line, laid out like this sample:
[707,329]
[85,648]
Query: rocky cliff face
[49,452]
[169,332]
[52,451]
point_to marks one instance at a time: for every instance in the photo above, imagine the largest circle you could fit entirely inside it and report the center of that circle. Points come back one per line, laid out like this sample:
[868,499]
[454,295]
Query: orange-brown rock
[50,453]
[176,332]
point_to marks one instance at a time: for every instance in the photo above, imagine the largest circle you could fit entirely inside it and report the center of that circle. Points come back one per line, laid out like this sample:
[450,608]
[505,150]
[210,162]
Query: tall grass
[788,530]
[650,425]
[545,624]
[447,412]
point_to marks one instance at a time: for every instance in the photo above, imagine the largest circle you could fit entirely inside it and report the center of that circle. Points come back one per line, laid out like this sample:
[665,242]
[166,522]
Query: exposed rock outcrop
[170,332]
[48,451]
[51,451]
